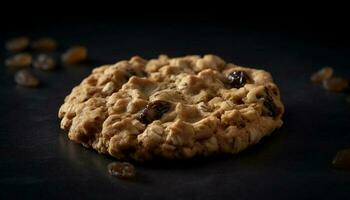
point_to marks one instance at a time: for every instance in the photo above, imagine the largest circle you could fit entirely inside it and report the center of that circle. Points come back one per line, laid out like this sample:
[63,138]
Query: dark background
[38,161]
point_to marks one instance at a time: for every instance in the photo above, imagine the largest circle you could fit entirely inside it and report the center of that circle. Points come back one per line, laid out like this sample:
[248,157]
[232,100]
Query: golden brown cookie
[172,108]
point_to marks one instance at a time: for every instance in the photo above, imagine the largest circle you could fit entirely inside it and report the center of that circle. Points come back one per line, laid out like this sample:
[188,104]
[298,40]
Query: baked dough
[174,108]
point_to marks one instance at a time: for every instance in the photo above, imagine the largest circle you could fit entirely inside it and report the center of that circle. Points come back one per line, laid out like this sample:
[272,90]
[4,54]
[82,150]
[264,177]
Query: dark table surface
[37,159]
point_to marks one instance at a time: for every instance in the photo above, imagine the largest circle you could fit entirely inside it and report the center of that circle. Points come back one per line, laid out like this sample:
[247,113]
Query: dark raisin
[17,44]
[237,79]
[271,109]
[74,55]
[122,170]
[342,159]
[153,111]
[44,62]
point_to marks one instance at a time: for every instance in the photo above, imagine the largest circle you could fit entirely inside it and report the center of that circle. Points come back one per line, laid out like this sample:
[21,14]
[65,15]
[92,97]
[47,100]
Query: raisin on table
[74,55]
[26,78]
[336,84]
[17,44]
[21,60]
[342,159]
[44,44]
[122,170]
[44,62]
[321,75]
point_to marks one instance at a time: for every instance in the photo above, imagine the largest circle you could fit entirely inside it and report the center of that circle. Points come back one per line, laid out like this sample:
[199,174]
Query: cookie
[173,108]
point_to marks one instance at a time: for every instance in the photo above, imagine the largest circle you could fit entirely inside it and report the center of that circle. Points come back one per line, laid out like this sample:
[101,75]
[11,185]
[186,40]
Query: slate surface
[37,159]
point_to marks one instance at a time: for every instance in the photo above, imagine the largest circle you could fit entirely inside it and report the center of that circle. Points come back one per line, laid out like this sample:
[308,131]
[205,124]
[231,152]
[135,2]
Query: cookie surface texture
[173,108]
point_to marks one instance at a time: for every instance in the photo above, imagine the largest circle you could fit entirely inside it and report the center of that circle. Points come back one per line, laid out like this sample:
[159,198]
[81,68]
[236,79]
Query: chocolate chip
[122,170]
[153,111]
[237,79]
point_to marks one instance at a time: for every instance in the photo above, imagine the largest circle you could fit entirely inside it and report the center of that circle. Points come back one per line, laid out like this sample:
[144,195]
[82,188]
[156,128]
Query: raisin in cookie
[172,108]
